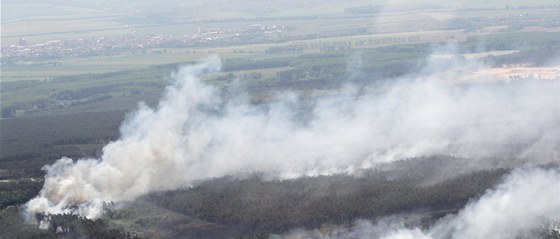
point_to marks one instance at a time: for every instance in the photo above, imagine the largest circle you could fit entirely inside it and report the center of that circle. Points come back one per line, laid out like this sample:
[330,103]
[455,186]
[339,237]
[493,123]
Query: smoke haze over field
[193,135]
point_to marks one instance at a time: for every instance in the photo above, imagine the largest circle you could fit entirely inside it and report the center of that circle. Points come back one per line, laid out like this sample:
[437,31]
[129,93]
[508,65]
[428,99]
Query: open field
[56,22]
[40,30]
[86,65]
[46,30]
[93,81]
[514,72]
[83,65]
[43,21]
[476,4]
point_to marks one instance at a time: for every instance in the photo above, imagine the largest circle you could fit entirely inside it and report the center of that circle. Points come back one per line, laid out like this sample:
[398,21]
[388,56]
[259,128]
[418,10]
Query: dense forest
[254,205]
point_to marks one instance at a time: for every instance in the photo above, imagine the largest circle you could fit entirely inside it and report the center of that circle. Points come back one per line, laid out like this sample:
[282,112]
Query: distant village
[105,45]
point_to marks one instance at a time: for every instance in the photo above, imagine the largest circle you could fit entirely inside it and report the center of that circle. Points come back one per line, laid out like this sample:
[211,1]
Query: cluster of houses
[103,45]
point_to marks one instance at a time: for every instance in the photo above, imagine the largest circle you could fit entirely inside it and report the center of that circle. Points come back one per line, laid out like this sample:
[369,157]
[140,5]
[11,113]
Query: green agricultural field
[44,70]
[38,31]
[104,64]
[42,22]
[71,21]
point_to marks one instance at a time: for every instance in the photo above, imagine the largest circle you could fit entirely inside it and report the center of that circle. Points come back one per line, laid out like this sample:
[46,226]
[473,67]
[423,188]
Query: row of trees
[60,227]
[341,45]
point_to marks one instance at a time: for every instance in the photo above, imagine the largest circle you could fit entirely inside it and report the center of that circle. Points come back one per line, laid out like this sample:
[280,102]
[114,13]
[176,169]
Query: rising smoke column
[147,156]
[193,135]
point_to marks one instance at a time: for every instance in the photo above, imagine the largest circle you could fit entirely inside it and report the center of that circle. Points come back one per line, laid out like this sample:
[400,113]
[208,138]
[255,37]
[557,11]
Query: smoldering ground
[193,134]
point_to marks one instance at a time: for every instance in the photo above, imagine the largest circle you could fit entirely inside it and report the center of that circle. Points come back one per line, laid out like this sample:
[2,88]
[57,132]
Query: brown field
[509,73]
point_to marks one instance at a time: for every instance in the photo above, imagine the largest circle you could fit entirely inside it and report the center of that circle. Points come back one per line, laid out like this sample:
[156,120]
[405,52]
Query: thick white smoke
[526,201]
[521,207]
[193,134]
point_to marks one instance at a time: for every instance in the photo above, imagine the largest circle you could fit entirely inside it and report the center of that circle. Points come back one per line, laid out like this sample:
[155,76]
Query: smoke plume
[520,207]
[194,134]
